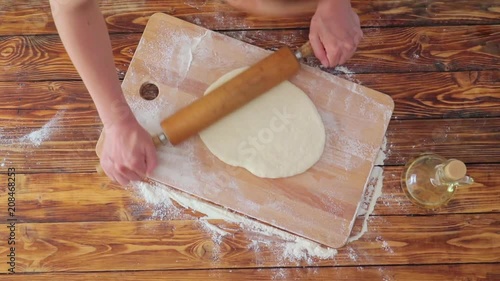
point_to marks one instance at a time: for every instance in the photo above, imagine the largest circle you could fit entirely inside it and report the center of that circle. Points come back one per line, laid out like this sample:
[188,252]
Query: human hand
[128,152]
[335,32]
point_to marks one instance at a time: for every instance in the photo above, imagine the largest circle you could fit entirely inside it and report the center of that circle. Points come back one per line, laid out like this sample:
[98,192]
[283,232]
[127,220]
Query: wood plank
[458,272]
[31,58]
[36,118]
[408,49]
[472,140]
[34,17]
[426,95]
[423,95]
[438,95]
[161,245]
[31,148]
[89,197]
[481,197]
[54,95]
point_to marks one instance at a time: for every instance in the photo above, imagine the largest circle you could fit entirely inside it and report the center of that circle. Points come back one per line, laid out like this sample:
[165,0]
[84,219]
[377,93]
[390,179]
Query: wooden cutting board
[183,59]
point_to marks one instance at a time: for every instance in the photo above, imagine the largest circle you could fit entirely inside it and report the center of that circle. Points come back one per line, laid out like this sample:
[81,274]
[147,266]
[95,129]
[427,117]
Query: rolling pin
[235,93]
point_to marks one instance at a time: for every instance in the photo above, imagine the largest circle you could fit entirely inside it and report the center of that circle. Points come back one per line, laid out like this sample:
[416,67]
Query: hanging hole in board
[149,91]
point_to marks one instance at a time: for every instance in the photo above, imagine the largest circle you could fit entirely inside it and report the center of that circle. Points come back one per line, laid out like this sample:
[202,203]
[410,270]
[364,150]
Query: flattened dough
[279,134]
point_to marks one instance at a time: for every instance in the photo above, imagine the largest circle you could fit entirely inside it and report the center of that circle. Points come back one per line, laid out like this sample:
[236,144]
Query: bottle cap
[455,169]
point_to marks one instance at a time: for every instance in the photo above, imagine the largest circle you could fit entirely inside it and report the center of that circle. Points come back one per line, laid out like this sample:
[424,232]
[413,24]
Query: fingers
[334,54]
[330,53]
[125,173]
[347,51]
[151,160]
[319,49]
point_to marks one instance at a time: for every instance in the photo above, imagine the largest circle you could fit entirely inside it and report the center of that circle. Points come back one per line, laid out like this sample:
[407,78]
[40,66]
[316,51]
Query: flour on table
[291,247]
[373,191]
[158,198]
[37,137]
[349,74]
[382,154]
[288,246]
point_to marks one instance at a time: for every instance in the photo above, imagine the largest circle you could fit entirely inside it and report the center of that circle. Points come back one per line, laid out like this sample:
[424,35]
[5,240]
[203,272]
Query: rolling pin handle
[304,51]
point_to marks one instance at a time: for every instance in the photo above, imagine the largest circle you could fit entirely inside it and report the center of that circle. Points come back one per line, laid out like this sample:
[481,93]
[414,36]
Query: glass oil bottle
[431,180]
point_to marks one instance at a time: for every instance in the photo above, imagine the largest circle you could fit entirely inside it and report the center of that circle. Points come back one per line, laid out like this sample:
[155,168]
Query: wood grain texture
[424,95]
[446,71]
[479,197]
[420,49]
[54,95]
[34,17]
[472,140]
[459,272]
[32,58]
[408,49]
[87,197]
[182,75]
[160,245]
[438,94]
[73,138]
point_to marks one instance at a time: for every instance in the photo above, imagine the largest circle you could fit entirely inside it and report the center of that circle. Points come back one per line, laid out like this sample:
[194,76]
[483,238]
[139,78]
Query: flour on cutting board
[291,247]
[185,57]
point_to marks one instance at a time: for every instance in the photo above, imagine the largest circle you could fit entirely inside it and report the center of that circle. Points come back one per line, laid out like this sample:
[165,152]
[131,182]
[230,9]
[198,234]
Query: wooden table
[438,60]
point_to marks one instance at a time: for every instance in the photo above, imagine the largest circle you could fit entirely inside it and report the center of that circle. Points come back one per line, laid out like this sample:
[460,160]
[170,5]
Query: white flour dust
[197,4]
[288,246]
[158,198]
[349,74]
[37,137]
[372,192]
[291,247]
[382,154]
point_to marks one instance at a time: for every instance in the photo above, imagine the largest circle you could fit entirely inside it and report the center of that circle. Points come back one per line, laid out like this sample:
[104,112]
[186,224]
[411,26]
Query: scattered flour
[158,198]
[292,248]
[382,154]
[37,137]
[197,4]
[289,248]
[375,189]
[349,74]
[279,274]
[352,254]
[386,247]
[216,232]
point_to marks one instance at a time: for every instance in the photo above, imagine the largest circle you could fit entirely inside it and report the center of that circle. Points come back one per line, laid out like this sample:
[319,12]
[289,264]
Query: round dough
[278,134]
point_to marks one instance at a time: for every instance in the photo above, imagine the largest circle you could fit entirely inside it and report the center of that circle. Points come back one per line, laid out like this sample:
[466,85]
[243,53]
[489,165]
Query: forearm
[84,34]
